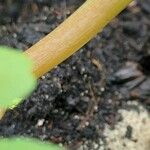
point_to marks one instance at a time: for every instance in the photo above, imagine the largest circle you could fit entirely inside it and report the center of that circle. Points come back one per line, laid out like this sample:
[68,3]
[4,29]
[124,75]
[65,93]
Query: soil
[75,101]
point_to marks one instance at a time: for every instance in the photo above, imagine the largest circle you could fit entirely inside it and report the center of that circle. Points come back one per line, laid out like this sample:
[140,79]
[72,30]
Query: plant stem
[2,112]
[73,33]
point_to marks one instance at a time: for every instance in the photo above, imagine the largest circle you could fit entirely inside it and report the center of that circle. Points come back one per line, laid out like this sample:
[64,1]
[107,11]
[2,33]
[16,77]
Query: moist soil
[73,102]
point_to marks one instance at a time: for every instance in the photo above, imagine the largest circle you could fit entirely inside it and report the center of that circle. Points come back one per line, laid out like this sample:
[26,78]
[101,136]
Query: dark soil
[73,102]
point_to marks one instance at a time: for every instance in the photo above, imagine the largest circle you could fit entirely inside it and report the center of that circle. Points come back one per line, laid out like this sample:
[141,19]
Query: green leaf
[26,144]
[16,78]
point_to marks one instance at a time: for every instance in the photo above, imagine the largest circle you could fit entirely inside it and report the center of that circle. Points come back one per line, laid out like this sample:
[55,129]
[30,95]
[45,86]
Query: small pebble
[40,122]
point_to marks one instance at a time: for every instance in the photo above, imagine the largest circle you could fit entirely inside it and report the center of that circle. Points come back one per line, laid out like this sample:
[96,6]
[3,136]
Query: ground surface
[79,102]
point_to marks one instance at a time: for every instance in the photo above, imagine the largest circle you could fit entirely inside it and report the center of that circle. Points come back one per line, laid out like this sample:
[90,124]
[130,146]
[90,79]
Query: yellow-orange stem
[2,112]
[73,33]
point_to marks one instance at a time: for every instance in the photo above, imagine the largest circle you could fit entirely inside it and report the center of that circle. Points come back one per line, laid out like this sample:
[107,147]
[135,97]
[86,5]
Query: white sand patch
[139,123]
